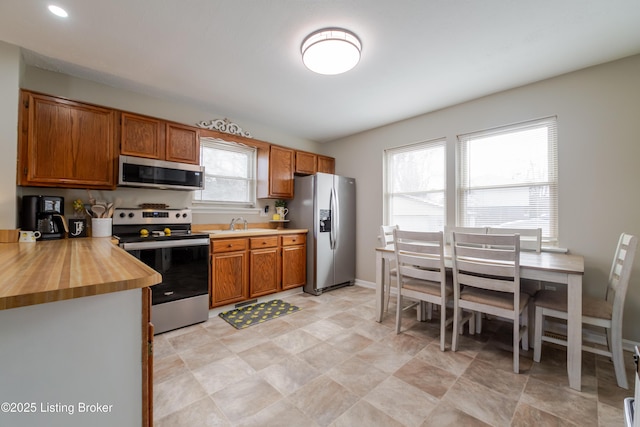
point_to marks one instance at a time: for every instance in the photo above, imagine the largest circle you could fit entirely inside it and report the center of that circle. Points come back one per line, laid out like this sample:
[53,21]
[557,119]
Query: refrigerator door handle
[334,217]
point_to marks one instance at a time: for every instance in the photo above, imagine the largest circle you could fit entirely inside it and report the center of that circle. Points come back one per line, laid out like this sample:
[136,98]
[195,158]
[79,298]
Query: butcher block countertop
[47,271]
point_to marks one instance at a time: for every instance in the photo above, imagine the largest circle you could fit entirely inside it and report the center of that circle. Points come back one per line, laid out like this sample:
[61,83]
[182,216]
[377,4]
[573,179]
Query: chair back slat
[489,252]
[421,274]
[485,268]
[530,238]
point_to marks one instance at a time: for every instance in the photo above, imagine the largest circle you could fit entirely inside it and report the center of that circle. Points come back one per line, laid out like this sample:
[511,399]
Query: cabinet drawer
[229,245]
[263,242]
[294,239]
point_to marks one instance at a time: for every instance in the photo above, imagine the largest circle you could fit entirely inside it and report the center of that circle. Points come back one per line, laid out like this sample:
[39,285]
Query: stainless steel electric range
[162,239]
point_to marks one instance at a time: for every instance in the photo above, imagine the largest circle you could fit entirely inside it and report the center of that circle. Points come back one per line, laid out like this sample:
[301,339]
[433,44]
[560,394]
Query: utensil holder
[100,227]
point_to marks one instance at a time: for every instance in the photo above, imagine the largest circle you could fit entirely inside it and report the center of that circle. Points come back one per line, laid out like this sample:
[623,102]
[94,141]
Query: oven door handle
[132,246]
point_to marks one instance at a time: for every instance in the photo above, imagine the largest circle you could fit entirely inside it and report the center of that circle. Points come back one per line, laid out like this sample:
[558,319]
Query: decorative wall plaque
[77,227]
[226,126]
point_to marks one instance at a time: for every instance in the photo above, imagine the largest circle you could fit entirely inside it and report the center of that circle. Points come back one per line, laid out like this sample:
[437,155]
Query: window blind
[229,173]
[508,177]
[415,178]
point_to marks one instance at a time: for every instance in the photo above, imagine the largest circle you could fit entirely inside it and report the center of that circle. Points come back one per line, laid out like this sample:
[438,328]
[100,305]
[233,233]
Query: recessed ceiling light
[58,11]
[331,51]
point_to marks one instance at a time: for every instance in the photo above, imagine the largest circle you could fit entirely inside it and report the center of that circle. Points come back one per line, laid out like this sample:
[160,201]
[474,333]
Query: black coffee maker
[44,214]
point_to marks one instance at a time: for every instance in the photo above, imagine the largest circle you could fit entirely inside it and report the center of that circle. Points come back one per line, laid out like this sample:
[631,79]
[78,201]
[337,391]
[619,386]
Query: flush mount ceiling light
[331,51]
[58,11]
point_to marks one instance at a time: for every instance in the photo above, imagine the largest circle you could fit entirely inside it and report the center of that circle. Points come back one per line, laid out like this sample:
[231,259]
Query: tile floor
[331,364]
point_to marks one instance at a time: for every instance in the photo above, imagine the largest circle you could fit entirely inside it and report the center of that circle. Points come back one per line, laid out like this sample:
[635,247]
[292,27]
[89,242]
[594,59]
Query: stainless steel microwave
[141,172]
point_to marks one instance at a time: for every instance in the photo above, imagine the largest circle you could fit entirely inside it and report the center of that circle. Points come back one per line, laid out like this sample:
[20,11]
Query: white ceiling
[242,57]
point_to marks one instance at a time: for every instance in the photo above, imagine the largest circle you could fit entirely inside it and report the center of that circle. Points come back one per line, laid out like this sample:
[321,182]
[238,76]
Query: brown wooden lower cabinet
[229,272]
[263,266]
[294,261]
[250,267]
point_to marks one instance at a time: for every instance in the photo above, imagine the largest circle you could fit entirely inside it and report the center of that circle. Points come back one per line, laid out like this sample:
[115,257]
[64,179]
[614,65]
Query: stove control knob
[177,215]
[131,214]
[122,215]
[184,215]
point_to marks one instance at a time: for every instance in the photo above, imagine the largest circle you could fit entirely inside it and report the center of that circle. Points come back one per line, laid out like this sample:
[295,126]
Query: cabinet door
[141,136]
[294,266]
[281,172]
[326,164]
[229,278]
[294,260]
[65,144]
[183,144]
[263,272]
[306,163]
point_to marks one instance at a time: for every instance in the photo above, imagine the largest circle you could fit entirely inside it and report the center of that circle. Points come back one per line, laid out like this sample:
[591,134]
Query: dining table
[546,266]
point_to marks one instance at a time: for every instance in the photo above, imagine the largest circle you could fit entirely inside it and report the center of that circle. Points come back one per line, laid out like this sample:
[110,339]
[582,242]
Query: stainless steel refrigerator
[326,205]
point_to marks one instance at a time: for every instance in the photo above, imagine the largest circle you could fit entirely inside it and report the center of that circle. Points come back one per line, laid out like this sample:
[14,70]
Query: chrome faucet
[234,220]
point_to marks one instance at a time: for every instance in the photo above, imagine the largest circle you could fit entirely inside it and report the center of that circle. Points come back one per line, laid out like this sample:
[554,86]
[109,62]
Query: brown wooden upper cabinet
[183,144]
[65,144]
[141,136]
[309,163]
[157,139]
[306,163]
[326,164]
[275,170]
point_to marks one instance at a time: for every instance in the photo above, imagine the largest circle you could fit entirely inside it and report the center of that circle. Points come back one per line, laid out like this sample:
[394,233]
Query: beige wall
[598,112]
[10,69]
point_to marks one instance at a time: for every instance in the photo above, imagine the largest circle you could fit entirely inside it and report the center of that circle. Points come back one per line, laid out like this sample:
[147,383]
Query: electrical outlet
[265,211]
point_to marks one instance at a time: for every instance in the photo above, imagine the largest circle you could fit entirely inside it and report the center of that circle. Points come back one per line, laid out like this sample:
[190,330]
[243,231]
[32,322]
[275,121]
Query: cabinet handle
[229,245]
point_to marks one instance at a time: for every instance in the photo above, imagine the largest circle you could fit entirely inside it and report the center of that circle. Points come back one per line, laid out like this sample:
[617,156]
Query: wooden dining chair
[449,230]
[530,238]
[448,238]
[530,241]
[385,238]
[486,279]
[421,273]
[601,312]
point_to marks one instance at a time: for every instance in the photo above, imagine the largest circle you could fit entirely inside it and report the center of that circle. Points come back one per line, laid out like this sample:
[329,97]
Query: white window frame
[550,181]
[388,177]
[220,205]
